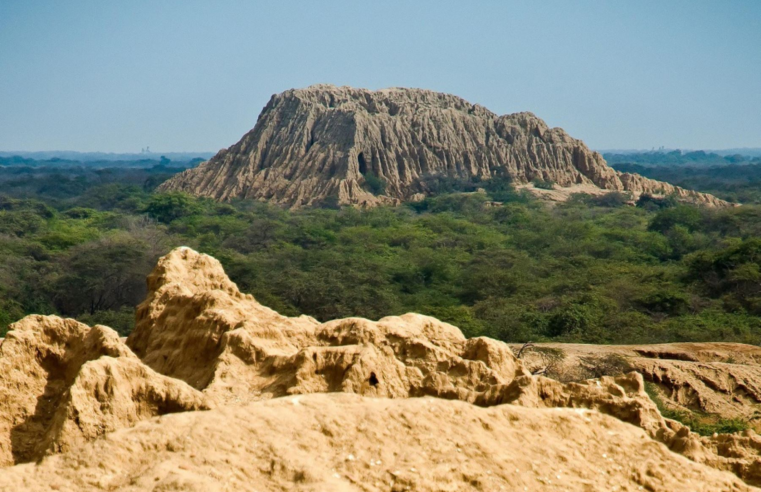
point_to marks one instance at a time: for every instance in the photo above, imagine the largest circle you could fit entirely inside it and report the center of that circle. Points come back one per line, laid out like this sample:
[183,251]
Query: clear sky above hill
[191,75]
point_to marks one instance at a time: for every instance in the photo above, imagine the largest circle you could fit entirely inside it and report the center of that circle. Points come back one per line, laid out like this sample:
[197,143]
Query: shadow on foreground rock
[63,383]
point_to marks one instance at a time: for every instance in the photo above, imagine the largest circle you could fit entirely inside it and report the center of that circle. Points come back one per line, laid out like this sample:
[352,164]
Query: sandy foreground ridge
[213,391]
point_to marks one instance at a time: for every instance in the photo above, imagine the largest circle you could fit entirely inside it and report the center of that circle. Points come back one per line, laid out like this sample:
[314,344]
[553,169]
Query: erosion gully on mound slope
[323,143]
[201,344]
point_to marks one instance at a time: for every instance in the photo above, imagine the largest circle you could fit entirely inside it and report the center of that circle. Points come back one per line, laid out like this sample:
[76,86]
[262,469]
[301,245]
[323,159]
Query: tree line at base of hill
[590,270]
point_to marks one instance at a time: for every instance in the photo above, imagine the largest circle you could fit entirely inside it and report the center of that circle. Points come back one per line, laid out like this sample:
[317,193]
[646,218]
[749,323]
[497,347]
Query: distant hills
[101,160]
[70,155]
[753,152]
[746,151]
[699,158]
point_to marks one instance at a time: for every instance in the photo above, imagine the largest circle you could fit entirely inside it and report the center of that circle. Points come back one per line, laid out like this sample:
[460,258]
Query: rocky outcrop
[719,379]
[322,143]
[625,398]
[640,185]
[709,381]
[196,325]
[299,404]
[63,383]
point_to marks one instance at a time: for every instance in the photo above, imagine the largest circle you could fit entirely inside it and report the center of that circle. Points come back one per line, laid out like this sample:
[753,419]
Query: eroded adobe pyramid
[326,143]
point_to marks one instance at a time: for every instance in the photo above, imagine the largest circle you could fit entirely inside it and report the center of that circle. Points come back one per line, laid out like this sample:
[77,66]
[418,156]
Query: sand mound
[708,381]
[63,383]
[199,342]
[712,378]
[196,326]
[349,443]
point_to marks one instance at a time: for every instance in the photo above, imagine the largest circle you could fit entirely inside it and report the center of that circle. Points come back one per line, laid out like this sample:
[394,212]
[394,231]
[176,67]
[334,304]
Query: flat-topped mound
[328,144]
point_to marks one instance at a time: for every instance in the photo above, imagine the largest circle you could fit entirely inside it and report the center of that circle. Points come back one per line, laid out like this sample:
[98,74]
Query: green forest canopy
[80,244]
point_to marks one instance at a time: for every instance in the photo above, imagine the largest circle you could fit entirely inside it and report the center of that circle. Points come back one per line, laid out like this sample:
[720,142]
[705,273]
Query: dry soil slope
[346,442]
[714,378]
[320,143]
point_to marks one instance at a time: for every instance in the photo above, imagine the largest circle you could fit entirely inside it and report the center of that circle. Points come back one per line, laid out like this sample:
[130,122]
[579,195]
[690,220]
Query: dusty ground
[562,193]
[346,442]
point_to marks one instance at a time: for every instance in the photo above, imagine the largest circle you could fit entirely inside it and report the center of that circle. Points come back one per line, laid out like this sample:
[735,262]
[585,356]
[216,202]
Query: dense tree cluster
[590,270]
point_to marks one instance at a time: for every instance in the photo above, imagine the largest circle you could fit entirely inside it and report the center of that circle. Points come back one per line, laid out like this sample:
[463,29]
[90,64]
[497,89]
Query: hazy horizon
[98,77]
[750,151]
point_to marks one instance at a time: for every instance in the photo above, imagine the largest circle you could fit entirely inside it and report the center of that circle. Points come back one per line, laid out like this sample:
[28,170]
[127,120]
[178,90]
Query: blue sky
[190,75]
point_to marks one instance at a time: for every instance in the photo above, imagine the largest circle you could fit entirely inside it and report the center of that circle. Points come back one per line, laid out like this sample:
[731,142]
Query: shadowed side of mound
[63,383]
